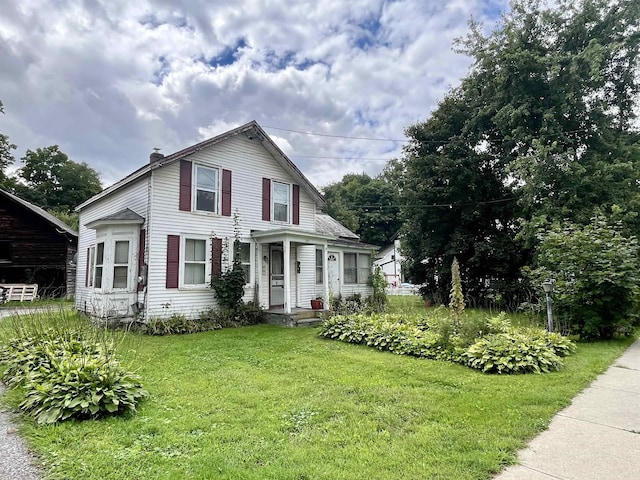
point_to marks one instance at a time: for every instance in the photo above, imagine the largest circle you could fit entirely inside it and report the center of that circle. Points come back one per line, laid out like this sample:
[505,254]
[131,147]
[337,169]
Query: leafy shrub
[174,325]
[30,356]
[490,345]
[64,375]
[597,276]
[351,305]
[213,319]
[512,353]
[81,386]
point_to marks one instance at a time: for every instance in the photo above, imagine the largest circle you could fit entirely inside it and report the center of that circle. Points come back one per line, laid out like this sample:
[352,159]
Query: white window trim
[320,267]
[109,240]
[207,262]
[194,189]
[289,205]
[358,280]
[95,266]
[91,260]
[252,255]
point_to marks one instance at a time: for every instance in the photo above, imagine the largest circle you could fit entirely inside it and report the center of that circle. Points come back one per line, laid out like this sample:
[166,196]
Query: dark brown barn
[36,247]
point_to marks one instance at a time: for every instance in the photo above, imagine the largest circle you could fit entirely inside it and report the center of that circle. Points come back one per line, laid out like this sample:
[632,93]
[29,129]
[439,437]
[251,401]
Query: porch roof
[292,235]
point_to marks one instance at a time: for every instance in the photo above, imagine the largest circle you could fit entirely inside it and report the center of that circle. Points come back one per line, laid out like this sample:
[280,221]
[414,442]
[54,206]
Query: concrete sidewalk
[597,437]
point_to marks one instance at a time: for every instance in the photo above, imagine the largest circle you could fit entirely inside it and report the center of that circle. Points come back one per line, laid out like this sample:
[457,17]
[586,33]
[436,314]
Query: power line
[343,158]
[435,205]
[374,139]
[377,139]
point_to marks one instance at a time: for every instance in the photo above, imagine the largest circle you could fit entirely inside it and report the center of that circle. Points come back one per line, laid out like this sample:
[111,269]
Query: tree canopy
[367,206]
[53,181]
[540,131]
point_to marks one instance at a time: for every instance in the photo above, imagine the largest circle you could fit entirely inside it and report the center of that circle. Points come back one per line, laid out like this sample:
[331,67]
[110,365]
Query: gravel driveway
[16,462]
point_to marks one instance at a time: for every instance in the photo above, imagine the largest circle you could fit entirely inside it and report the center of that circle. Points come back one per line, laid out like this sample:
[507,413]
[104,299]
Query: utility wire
[435,205]
[338,136]
[377,139]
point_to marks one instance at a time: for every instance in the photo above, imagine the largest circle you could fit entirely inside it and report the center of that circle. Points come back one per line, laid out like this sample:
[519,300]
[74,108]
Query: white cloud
[109,80]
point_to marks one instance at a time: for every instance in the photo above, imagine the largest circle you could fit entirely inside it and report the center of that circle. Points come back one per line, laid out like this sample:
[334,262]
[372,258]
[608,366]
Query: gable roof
[58,224]
[327,225]
[252,130]
[330,226]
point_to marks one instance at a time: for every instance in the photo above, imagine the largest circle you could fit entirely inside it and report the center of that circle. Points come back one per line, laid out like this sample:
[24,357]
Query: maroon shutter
[296,204]
[226,193]
[141,247]
[86,276]
[266,199]
[216,257]
[173,260]
[185,185]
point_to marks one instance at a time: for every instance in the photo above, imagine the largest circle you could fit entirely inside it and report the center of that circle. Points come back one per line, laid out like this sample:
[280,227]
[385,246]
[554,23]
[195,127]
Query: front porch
[298,317]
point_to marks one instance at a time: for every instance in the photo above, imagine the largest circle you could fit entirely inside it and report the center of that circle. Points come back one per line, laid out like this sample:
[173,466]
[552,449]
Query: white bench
[20,292]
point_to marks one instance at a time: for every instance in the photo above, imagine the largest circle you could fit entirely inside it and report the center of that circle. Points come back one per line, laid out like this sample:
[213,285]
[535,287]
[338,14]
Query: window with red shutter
[216,257]
[173,260]
[185,185]
[296,205]
[266,199]
[226,193]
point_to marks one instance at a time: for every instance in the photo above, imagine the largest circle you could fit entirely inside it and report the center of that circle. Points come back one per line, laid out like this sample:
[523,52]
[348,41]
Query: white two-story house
[150,243]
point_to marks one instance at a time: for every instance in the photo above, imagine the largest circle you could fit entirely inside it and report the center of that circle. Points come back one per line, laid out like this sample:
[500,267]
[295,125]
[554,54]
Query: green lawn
[266,402]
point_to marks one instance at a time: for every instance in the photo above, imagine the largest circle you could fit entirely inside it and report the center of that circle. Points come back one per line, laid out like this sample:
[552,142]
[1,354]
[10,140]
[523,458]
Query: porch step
[308,322]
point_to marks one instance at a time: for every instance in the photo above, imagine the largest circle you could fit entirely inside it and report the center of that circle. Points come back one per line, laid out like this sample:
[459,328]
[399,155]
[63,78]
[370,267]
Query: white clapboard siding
[307,277]
[248,162]
[134,197]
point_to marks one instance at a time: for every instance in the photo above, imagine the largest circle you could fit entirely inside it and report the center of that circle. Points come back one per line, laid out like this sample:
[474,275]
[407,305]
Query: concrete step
[308,322]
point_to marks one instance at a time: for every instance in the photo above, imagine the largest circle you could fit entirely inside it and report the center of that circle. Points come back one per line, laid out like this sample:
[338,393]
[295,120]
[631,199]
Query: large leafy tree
[53,181]
[539,131]
[6,158]
[456,204]
[367,206]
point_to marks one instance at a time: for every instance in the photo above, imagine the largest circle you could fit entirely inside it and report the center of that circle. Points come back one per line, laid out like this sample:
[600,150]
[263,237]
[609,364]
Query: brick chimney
[155,155]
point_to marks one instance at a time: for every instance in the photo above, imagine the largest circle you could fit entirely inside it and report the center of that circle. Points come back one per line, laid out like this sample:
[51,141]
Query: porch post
[257,267]
[286,252]
[325,273]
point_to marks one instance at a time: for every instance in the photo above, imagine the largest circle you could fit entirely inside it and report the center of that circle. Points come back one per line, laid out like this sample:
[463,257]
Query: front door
[333,273]
[276,276]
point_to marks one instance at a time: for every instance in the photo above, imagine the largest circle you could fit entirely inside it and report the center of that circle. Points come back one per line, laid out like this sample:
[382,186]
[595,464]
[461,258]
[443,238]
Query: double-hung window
[281,201]
[319,267]
[207,188]
[121,264]
[244,256]
[195,262]
[97,272]
[357,267]
[91,260]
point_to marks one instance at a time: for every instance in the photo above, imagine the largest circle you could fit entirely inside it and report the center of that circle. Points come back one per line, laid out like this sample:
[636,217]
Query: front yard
[267,402]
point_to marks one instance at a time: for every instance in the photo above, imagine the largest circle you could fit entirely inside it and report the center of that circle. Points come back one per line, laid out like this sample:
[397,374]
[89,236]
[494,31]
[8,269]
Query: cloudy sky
[108,80]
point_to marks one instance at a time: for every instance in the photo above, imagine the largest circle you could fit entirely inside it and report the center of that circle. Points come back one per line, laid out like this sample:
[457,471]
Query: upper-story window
[281,201]
[207,188]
